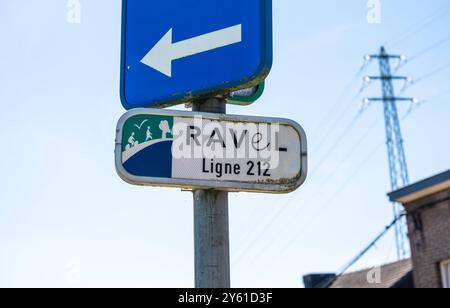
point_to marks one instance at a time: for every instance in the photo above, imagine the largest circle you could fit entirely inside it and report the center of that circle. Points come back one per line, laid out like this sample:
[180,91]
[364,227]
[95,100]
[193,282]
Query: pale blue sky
[64,209]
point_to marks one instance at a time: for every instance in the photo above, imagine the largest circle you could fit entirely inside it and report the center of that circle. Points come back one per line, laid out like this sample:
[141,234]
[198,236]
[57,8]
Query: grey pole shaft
[211,225]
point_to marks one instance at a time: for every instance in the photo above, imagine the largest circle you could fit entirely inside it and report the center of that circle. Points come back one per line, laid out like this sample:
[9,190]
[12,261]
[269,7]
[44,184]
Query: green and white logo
[147,145]
[141,131]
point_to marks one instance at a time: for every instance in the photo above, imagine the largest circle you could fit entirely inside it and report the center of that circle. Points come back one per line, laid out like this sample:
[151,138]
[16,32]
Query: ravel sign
[200,151]
[176,50]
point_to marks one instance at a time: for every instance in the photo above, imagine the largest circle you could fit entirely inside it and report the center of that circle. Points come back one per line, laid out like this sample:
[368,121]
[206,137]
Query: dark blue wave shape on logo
[154,161]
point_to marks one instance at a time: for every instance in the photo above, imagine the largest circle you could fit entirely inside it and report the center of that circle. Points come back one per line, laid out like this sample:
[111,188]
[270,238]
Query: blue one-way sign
[176,50]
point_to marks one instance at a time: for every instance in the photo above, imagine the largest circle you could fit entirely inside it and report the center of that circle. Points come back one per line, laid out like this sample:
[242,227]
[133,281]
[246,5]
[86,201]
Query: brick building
[427,205]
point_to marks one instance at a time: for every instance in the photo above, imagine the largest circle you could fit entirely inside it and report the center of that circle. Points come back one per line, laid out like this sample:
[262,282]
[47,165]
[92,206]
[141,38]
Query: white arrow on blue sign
[177,50]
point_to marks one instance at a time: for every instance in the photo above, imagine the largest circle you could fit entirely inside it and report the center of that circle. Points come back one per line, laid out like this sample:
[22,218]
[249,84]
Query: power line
[426,76]
[336,122]
[432,73]
[265,227]
[256,214]
[345,132]
[340,98]
[327,283]
[423,52]
[260,235]
[370,246]
[339,191]
[353,148]
[418,104]
[312,173]
[282,209]
[428,49]
[357,144]
[418,27]
[353,174]
[439,95]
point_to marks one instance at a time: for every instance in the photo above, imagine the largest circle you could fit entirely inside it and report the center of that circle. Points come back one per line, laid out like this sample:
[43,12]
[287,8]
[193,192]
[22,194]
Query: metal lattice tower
[398,169]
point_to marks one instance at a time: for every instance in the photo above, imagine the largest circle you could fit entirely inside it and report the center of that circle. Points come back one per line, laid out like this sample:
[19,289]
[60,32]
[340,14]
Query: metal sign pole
[211,228]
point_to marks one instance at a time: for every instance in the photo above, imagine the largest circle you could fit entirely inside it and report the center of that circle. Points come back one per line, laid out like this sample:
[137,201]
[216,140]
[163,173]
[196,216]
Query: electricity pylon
[398,169]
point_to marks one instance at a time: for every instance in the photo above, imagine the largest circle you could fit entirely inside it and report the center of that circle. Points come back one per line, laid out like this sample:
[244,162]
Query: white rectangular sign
[208,151]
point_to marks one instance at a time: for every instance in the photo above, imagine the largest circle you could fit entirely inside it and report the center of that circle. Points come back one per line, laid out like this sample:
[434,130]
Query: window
[445,270]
